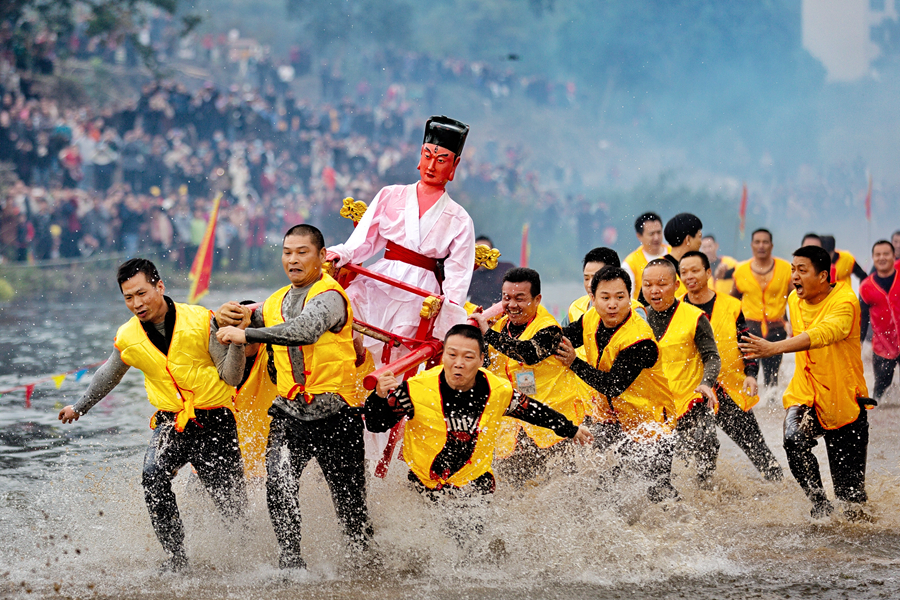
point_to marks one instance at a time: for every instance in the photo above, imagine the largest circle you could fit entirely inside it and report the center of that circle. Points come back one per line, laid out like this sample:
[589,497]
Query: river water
[74,523]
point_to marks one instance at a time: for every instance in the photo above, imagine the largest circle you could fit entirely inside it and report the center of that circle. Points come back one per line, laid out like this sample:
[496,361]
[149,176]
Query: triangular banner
[29,389]
[80,374]
[58,380]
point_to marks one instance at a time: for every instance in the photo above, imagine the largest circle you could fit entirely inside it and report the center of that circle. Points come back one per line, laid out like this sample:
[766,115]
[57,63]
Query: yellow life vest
[723,287]
[251,405]
[829,378]
[579,307]
[842,269]
[768,304]
[186,378]
[426,433]
[637,261]
[680,359]
[731,376]
[556,386]
[329,363]
[647,408]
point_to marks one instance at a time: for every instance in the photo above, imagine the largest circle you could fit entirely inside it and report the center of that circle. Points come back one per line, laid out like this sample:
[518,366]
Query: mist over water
[74,522]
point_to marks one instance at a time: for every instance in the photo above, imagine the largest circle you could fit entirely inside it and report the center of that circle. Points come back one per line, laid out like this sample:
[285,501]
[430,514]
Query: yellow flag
[58,379]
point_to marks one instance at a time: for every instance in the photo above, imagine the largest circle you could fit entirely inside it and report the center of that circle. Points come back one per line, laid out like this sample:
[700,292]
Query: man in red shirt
[879,302]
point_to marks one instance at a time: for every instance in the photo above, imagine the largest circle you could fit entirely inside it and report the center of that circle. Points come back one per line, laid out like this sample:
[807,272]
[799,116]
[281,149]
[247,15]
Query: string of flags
[56,379]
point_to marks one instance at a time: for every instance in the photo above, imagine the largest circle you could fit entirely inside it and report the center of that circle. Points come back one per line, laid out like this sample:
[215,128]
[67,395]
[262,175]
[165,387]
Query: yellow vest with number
[646,409]
[557,387]
[763,304]
[731,376]
[426,433]
[680,359]
[829,378]
[329,363]
[186,378]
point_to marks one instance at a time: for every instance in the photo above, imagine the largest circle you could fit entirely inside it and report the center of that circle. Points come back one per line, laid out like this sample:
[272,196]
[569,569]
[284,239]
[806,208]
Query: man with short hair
[525,340]
[690,361]
[879,302]
[649,230]
[827,393]
[895,242]
[843,263]
[722,266]
[593,261]
[190,379]
[455,413]
[736,387]
[762,284]
[307,327]
[623,363]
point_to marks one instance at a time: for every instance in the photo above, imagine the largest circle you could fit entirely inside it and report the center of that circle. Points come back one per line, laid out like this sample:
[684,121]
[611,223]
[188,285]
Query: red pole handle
[402,365]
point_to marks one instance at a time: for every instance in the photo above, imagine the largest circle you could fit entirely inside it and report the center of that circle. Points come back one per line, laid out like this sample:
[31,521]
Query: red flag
[869,200]
[523,255]
[29,389]
[201,270]
[743,210]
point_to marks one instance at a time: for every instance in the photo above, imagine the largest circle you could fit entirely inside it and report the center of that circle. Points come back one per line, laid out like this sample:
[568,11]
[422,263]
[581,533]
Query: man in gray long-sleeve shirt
[190,379]
[307,327]
[690,361]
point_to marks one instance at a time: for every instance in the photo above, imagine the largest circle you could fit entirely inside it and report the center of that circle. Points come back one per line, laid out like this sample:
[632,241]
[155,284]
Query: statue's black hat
[447,133]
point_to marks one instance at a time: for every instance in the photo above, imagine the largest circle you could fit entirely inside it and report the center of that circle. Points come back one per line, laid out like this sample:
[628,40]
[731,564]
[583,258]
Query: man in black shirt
[455,413]
[736,387]
[623,363]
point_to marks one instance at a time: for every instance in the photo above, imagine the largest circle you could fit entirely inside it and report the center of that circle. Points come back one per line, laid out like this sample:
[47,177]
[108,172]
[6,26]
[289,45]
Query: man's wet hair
[762,230]
[680,227]
[819,257]
[663,262]
[703,258]
[610,273]
[309,231]
[604,255]
[132,267]
[810,235]
[645,218]
[828,242]
[467,331]
[880,242]
[523,274]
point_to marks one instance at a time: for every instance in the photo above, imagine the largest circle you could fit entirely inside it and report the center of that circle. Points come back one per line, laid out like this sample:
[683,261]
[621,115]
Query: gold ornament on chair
[486,257]
[353,209]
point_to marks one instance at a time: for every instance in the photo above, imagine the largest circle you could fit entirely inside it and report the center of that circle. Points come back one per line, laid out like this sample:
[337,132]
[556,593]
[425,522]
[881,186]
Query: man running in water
[879,301]
[736,387]
[762,284]
[190,379]
[827,393]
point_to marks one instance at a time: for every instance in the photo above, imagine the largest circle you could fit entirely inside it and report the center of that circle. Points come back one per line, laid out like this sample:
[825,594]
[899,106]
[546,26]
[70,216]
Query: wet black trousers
[743,428]
[210,444]
[697,439]
[336,442]
[651,460]
[769,366]
[846,448]
[884,374]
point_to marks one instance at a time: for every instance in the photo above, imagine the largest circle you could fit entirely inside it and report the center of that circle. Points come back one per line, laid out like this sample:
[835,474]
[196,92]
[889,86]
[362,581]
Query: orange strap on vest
[411,257]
